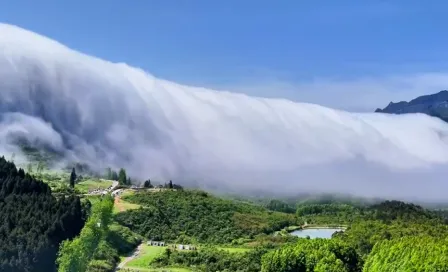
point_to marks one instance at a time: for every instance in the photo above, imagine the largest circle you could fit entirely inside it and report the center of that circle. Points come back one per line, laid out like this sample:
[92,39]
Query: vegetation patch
[33,221]
[146,255]
[212,259]
[313,255]
[423,253]
[199,217]
[87,185]
[235,249]
[121,206]
[76,254]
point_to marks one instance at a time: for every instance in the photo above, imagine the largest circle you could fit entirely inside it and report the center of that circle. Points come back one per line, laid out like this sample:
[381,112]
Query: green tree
[147,184]
[108,173]
[73,178]
[122,176]
[75,255]
[33,222]
[419,253]
[114,175]
[313,255]
[170,184]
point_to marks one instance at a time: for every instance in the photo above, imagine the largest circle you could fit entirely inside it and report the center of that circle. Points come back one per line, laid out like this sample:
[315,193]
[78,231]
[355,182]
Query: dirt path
[117,203]
[128,259]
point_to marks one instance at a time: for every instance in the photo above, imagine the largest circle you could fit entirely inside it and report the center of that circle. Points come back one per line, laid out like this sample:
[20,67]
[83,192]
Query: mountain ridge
[435,105]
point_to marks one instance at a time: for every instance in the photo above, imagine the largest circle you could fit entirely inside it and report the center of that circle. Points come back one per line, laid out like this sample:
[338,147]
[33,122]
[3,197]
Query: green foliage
[104,259]
[146,255]
[147,184]
[334,213]
[212,259]
[73,178]
[280,206]
[123,239]
[111,174]
[75,255]
[119,241]
[122,177]
[363,235]
[86,185]
[413,253]
[390,220]
[312,255]
[198,215]
[388,211]
[32,221]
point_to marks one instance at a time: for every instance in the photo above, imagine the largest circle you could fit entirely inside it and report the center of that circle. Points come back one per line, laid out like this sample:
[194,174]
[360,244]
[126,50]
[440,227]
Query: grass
[59,181]
[162,269]
[120,205]
[127,193]
[91,184]
[144,258]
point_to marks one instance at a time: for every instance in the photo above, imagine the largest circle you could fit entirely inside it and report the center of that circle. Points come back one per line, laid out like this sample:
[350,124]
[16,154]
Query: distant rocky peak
[432,104]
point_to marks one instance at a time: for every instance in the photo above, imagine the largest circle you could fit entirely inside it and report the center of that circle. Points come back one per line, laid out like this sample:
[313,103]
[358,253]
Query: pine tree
[72,178]
[122,176]
[147,184]
[170,185]
[114,176]
[108,173]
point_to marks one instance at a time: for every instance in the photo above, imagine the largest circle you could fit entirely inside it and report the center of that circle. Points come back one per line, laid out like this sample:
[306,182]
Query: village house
[186,247]
[156,243]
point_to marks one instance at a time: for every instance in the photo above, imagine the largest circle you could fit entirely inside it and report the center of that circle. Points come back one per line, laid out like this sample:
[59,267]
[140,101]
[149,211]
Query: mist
[112,115]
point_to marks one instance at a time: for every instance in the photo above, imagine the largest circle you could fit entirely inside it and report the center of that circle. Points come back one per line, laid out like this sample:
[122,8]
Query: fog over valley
[110,114]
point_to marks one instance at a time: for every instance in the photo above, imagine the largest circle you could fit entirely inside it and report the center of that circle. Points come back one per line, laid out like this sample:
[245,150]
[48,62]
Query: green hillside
[195,215]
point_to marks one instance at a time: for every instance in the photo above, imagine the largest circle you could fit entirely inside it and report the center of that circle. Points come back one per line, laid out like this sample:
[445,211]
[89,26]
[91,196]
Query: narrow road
[130,258]
[105,191]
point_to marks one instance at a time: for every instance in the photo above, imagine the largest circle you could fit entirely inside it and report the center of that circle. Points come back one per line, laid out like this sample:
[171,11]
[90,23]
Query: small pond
[315,232]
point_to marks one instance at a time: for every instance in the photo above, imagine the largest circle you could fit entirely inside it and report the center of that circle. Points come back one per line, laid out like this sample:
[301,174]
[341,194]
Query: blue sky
[269,48]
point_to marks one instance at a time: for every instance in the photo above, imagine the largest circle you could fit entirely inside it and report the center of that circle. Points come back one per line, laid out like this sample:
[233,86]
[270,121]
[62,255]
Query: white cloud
[112,114]
[361,94]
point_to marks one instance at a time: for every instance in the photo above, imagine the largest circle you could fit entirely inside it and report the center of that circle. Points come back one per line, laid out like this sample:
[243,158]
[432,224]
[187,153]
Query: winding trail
[130,258]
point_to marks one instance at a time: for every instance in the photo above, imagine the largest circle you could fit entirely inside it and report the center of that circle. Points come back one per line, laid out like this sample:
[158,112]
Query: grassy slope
[122,206]
[147,254]
[91,184]
[169,215]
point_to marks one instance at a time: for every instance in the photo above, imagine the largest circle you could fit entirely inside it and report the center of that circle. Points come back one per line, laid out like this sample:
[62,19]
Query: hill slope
[434,105]
[200,217]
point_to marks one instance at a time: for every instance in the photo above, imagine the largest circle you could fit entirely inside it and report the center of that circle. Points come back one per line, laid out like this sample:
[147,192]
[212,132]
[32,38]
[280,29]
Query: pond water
[315,233]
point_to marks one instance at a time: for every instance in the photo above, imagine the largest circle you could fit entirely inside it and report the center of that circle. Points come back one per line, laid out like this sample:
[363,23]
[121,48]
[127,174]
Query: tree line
[75,255]
[388,236]
[33,222]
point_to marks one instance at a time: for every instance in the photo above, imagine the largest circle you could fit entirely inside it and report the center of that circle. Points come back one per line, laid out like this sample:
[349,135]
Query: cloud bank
[363,94]
[110,114]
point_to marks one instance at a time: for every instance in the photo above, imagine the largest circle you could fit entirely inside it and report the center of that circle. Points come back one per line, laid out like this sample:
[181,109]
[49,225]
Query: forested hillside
[33,222]
[196,215]
[413,253]
[312,255]
[388,236]
[231,235]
